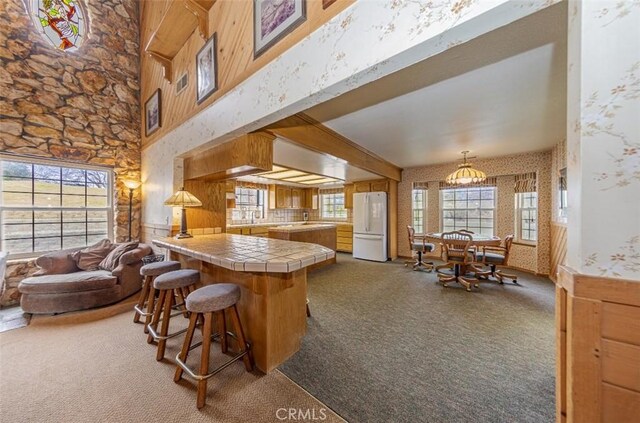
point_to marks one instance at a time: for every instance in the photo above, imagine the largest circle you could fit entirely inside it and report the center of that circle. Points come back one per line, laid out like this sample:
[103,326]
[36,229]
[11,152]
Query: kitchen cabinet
[362,186]
[345,238]
[296,198]
[311,199]
[380,186]
[279,197]
[348,196]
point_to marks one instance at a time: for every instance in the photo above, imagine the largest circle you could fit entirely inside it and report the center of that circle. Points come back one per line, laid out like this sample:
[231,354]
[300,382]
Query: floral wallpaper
[327,63]
[531,258]
[603,147]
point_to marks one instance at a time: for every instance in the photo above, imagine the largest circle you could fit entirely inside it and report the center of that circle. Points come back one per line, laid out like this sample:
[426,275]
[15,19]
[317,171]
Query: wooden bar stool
[178,283]
[207,301]
[148,292]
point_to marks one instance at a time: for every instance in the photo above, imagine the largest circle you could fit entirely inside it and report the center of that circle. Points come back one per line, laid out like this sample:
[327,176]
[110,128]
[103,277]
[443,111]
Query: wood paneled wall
[597,349]
[232,21]
[558,249]
[213,213]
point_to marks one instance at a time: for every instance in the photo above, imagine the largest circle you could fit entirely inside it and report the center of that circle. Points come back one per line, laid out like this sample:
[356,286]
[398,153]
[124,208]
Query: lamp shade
[465,174]
[132,183]
[183,199]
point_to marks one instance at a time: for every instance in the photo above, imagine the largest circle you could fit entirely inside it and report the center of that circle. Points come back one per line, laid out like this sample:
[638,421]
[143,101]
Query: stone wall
[80,106]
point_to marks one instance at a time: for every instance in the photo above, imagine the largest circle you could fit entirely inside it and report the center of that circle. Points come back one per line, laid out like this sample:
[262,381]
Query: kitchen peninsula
[272,275]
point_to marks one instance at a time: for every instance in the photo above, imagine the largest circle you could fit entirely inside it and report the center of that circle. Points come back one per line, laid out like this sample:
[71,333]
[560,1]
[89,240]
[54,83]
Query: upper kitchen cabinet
[378,185]
[311,198]
[348,196]
[279,197]
[297,198]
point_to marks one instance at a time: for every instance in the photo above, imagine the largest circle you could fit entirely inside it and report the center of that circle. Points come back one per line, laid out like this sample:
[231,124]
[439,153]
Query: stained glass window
[63,23]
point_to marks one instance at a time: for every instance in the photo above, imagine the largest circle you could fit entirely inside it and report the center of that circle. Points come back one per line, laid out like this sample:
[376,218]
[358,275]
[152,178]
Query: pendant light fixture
[465,174]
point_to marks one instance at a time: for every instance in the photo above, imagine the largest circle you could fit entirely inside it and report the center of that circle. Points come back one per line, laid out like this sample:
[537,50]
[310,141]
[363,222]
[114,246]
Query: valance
[250,185]
[489,182]
[421,185]
[526,182]
[331,190]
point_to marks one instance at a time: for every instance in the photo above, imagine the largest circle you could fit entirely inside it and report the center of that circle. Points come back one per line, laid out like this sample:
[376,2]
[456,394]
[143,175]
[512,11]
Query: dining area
[468,258]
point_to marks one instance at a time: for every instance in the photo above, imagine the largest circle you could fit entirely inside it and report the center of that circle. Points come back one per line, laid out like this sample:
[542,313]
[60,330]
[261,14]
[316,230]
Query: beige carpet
[97,367]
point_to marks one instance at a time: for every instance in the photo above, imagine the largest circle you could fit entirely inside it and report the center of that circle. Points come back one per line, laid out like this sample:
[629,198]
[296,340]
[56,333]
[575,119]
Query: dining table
[477,241]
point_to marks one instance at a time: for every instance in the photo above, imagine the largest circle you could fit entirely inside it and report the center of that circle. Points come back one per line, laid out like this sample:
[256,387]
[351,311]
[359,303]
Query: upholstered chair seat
[214,297]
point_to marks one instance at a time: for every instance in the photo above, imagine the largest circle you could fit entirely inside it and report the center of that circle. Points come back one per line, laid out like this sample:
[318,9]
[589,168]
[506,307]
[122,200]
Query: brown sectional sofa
[62,287]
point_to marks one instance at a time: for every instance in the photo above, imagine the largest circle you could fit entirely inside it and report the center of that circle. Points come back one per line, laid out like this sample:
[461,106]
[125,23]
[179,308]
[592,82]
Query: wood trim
[557,248]
[309,133]
[248,154]
[601,288]
[583,360]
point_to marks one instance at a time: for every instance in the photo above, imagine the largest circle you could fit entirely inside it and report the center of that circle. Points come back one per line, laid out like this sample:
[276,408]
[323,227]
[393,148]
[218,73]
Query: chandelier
[465,174]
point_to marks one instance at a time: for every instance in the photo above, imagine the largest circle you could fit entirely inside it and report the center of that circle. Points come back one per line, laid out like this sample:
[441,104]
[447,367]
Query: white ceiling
[503,93]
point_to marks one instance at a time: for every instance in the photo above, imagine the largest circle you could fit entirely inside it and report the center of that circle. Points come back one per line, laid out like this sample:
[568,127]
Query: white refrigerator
[370,226]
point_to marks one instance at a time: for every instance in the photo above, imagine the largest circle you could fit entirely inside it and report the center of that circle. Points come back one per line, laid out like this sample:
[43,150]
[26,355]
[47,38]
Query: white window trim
[334,217]
[425,196]
[518,221]
[495,207]
[59,163]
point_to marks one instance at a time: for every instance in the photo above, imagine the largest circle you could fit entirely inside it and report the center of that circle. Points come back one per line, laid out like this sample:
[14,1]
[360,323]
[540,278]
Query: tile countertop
[248,253]
[314,222]
[303,228]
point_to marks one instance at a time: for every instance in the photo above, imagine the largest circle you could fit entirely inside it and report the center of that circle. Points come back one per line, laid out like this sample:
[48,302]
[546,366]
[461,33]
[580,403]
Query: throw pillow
[56,263]
[89,258]
[111,261]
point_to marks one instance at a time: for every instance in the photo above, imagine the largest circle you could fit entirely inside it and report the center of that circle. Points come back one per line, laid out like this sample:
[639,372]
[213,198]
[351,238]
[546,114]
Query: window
[472,209]
[562,196]
[251,204]
[526,216]
[332,206]
[61,23]
[419,210]
[48,207]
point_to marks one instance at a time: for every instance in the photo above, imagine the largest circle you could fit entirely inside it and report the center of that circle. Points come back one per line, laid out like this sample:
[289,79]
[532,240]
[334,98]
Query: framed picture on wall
[274,19]
[206,70]
[327,3]
[153,113]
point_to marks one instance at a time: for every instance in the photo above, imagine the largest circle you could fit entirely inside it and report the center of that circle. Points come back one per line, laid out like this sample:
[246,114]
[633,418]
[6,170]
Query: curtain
[250,185]
[421,185]
[331,190]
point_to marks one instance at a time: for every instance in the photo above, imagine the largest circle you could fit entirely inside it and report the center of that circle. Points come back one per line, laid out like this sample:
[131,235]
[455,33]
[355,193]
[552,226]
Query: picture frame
[273,20]
[153,113]
[327,3]
[206,70]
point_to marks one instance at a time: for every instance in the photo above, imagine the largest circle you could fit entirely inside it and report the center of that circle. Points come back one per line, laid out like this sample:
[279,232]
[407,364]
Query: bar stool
[207,301]
[148,292]
[176,283]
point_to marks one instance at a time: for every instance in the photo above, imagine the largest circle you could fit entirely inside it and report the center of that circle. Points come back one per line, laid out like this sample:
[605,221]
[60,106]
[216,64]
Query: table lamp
[183,199]
[132,185]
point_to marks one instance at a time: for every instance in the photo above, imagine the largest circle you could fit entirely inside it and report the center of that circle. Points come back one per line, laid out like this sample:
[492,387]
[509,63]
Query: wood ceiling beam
[305,131]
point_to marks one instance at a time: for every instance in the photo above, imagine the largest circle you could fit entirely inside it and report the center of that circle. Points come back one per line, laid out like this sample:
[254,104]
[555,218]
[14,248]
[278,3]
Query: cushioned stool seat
[159,268]
[171,285]
[213,297]
[203,304]
[177,279]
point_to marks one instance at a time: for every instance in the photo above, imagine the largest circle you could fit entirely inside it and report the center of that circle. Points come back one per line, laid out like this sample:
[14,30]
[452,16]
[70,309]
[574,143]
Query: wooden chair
[459,254]
[420,247]
[493,256]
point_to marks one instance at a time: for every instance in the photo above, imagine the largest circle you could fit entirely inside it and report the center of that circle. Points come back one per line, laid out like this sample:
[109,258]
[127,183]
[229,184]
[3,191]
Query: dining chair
[493,256]
[458,252]
[419,247]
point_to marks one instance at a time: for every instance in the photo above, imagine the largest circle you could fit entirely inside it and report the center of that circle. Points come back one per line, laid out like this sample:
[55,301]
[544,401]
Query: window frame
[264,206]
[519,199]
[423,209]
[475,229]
[109,207]
[332,196]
